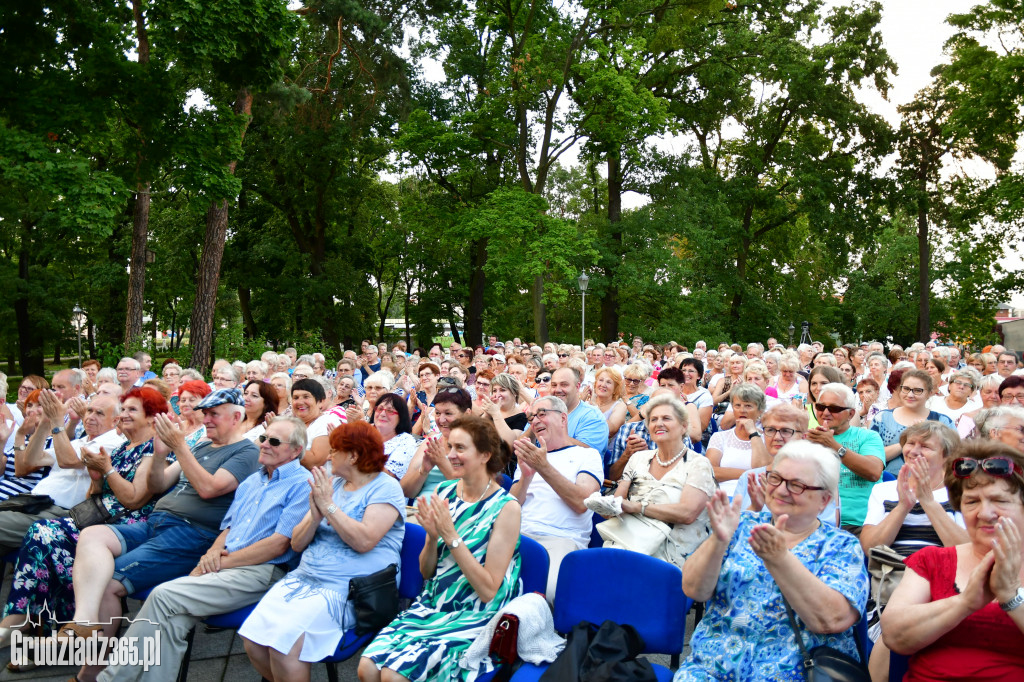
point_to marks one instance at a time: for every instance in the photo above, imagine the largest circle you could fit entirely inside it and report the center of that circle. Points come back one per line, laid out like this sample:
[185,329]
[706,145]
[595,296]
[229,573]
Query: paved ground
[220,657]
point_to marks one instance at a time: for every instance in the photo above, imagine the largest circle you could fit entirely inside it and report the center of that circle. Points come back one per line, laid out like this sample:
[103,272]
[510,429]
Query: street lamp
[77,313]
[582,281]
[792,329]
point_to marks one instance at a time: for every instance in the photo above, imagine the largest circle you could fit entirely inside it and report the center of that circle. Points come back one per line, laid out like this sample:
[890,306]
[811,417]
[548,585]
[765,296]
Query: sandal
[72,630]
[24,667]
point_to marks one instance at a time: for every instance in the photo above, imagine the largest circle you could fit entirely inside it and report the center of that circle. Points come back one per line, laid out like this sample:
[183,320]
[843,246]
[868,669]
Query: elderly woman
[375,386]
[11,483]
[171,374]
[729,451]
[1004,424]
[430,465]
[913,511]
[789,384]
[31,382]
[735,366]
[470,560]
[957,611]
[754,562]
[914,389]
[354,527]
[282,384]
[260,401]
[868,404]
[542,384]
[634,380]
[878,369]
[502,407]
[608,397]
[190,394]
[42,571]
[771,361]
[391,417]
[988,363]
[962,385]
[423,397]
[1011,391]
[668,488]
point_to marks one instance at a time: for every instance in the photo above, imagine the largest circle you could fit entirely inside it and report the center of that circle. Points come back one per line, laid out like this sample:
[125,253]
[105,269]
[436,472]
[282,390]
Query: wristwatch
[841,451]
[455,543]
[57,429]
[755,434]
[1015,602]
[331,509]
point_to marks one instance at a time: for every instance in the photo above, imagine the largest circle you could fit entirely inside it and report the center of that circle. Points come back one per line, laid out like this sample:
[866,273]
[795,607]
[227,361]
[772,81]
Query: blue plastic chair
[888,476]
[595,538]
[898,666]
[656,606]
[506,482]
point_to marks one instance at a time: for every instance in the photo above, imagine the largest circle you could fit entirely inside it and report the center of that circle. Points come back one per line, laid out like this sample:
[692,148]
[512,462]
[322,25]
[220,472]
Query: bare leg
[389,675]
[368,671]
[878,662]
[93,569]
[259,656]
[288,667]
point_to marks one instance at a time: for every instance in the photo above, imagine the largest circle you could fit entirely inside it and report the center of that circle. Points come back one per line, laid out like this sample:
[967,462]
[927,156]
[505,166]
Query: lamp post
[582,281]
[77,313]
[791,330]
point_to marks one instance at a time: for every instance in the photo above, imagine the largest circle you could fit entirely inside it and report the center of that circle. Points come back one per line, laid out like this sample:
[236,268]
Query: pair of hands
[436,518]
[321,493]
[912,484]
[767,540]
[97,463]
[435,451]
[997,576]
[531,457]
[823,436]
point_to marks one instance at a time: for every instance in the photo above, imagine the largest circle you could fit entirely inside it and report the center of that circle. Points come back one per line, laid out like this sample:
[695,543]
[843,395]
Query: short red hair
[196,388]
[33,397]
[152,402]
[364,441]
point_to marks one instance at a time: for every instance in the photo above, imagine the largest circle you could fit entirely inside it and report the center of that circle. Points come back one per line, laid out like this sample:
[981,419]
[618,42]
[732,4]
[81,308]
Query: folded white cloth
[605,505]
[537,641]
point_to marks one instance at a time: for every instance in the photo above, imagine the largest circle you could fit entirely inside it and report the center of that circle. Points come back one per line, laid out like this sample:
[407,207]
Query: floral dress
[42,571]
[745,633]
[427,641]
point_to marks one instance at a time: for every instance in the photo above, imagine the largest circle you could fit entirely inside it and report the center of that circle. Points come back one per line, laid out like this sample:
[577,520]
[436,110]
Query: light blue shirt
[587,425]
[827,515]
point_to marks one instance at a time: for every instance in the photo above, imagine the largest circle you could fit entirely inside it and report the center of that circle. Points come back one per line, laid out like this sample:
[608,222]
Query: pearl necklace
[669,463]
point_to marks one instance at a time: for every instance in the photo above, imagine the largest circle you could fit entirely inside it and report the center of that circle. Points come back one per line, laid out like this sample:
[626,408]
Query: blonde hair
[617,388]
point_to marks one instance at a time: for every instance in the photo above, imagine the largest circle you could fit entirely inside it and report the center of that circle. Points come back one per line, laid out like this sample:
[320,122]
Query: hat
[499,357]
[222,396]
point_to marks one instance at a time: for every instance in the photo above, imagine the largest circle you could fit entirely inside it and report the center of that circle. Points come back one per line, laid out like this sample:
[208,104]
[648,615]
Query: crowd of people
[766,474]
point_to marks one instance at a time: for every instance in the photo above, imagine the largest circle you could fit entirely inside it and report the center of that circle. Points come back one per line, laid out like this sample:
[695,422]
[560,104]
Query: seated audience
[730,451]
[391,417]
[430,465]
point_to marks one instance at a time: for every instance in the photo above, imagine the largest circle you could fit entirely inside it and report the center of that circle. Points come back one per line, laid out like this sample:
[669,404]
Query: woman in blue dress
[753,559]
[354,527]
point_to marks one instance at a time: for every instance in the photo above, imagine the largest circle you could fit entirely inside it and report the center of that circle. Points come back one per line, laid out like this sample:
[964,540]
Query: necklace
[669,463]
[482,492]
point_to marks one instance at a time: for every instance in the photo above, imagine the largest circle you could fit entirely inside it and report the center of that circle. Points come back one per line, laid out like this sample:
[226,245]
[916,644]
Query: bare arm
[318,452]
[486,579]
[617,418]
[33,457]
[691,503]
[701,570]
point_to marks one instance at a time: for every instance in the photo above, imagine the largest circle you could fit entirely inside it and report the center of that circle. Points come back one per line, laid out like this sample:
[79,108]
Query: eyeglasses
[793,486]
[1018,429]
[964,384]
[1000,467]
[834,409]
[274,442]
[907,390]
[771,431]
[544,380]
[633,382]
[386,412]
[541,412]
[1008,398]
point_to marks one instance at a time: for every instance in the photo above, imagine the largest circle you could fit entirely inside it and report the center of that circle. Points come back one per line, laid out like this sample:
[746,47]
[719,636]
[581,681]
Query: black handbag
[825,664]
[92,512]
[27,504]
[375,599]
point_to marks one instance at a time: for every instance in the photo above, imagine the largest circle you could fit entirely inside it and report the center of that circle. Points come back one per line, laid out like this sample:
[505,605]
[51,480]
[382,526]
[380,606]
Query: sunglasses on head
[274,442]
[1000,467]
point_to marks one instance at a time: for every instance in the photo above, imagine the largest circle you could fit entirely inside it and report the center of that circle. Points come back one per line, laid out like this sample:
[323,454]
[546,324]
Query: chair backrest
[649,595]
[888,476]
[535,564]
[506,482]
[411,582]
[595,538]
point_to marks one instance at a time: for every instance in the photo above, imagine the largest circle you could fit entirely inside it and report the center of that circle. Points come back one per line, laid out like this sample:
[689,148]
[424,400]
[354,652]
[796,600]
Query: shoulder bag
[92,512]
[375,599]
[825,664]
[27,504]
[886,567]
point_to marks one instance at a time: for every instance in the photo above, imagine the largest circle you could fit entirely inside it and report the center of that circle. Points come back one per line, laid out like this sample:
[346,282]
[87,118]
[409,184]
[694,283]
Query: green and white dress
[427,641]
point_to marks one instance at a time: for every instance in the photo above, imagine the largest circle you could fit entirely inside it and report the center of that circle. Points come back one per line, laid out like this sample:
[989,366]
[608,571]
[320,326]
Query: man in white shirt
[552,480]
[68,481]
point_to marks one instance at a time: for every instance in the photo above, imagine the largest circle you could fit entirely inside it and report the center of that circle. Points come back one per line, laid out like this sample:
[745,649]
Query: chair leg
[332,671]
[183,670]
[698,612]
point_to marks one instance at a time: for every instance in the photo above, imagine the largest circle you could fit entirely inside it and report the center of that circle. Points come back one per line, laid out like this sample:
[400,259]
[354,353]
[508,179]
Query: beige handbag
[634,532]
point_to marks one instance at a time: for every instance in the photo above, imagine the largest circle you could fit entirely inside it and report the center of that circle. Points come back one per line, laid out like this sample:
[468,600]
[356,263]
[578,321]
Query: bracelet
[643,509]
[112,471]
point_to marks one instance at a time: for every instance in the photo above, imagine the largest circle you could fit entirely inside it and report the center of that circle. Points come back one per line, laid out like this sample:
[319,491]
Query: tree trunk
[610,302]
[923,250]
[208,278]
[56,352]
[137,264]
[245,305]
[452,324]
[540,311]
[30,345]
[408,332]
[91,336]
[474,333]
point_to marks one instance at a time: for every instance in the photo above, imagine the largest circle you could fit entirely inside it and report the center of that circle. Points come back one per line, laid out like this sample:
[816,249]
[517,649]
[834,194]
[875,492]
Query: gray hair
[138,365]
[328,385]
[257,365]
[671,401]
[107,374]
[824,459]
[191,374]
[844,392]
[307,358]
[3,386]
[996,417]
[989,381]
[557,404]
[74,376]
[287,380]
[637,370]
[968,373]
[881,356]
[549,356]
[297,438]
[829,359]
[949,439]
[748,393]
[383,377]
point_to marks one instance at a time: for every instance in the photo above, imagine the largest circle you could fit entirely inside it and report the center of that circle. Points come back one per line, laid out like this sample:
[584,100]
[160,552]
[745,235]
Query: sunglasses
[544,380]
[274,442]
[1000,467]
[563,355]
[834,409]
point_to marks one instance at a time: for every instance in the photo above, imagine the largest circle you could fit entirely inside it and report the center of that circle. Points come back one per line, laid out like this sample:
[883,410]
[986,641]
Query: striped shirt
[917,530]
[264,506]
[11,485]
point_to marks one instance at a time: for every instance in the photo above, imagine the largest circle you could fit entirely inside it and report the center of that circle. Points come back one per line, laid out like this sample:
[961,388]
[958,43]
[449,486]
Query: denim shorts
[162,548]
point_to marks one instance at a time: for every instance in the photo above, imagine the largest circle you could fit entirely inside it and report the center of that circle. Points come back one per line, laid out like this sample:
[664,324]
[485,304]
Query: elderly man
[782,423]
[251,553]
[1005,424]
[860,451]
[371,362]
[586,423]
[115,560]
[255,370]
[1006,363]
[145,361]
[67,385]
[551,481]
[67,484]
[129,373]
